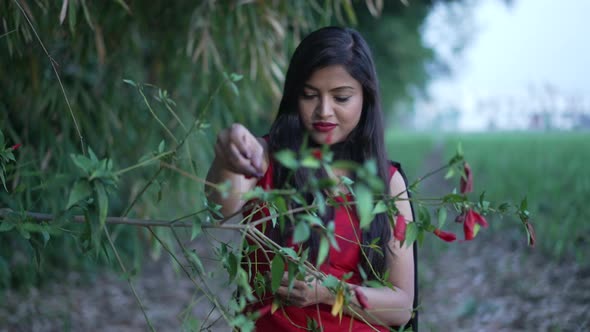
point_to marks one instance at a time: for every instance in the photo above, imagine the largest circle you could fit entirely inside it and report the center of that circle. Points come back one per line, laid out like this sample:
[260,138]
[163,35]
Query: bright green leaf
[301,232]
[287,159]
[323,251]
[364,206]
[411,234]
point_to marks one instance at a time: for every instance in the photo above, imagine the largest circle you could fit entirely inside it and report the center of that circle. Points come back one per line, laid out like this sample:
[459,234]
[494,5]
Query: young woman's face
[331,104]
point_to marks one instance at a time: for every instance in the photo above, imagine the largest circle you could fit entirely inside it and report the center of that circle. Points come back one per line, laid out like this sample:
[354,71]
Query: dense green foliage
[547,168]
[185,48]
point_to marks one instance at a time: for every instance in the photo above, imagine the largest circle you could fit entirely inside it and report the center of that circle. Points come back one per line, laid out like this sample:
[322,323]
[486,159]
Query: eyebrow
[344,87]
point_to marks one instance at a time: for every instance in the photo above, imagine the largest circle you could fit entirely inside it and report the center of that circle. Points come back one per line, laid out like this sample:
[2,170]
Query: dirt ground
[492,284]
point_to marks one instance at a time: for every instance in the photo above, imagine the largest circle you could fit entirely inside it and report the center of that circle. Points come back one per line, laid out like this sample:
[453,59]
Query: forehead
[332,77]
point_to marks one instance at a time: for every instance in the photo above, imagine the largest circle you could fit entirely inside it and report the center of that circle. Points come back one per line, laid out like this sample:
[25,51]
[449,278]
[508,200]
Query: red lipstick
[324,126]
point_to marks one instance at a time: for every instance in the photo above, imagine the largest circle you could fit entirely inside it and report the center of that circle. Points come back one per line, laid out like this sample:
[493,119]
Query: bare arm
[393,307]
[240,158]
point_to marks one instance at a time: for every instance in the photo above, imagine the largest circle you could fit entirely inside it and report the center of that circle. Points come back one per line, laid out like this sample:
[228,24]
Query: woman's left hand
[304,292]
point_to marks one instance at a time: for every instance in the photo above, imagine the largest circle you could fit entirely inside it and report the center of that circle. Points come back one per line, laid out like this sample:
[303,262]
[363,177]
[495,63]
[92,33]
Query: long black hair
[326,47]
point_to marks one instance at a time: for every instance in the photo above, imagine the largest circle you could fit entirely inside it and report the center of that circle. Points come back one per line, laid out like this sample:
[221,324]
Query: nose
[324,108]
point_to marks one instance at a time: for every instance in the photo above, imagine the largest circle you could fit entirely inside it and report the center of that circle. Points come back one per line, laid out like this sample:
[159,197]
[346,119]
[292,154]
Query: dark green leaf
[102,202]
[277,268]
[80,191]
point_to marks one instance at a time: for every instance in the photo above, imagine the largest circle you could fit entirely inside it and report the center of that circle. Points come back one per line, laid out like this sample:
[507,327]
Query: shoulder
[398,189]
[397,185]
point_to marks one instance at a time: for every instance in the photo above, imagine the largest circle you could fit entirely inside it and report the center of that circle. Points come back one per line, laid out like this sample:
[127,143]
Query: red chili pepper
[466,183]
[317,154]
[531,233]
[445,236]
[471,219]
[399,232]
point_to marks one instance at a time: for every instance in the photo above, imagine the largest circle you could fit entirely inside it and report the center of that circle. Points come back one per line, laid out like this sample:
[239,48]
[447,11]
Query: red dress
[338,263]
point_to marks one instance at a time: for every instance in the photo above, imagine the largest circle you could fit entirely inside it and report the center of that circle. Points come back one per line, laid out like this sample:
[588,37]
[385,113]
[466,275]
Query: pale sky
[515,53]
[531,43]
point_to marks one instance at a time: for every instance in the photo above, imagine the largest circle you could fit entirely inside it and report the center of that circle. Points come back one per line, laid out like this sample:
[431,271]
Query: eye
[341,99]
[308,95]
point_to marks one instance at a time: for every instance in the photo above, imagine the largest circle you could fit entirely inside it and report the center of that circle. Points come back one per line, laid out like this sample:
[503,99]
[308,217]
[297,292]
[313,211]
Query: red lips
[324,126]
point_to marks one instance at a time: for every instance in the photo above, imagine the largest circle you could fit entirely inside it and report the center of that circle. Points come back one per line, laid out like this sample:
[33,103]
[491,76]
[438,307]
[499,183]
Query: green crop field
[550,169]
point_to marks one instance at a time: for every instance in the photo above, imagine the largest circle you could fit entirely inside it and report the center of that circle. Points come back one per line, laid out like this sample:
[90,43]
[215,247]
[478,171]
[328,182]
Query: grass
[550,169]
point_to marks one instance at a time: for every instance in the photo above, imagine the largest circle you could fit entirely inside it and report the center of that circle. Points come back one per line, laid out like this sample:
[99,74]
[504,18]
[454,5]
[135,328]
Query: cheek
[353,114]
[305,114]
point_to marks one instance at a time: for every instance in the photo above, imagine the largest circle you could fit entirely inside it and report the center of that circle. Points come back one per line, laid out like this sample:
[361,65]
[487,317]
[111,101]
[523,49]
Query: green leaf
[345,165]
[287,159]
[301,232]
[46,236]
[310,162]
[323,250]
[442,217]
[424,215]
[3,179]
[524,204]
[313,220]
[102,202]
[450,173]
[364,206]
[161,146]
[194,258]
[93,157]
[82,162]
[72,16]
[331,282]
[380,207]
[6,226]
[277,268]
[235,77]
[81,190]
[411,234]
[196,229]
[459,149]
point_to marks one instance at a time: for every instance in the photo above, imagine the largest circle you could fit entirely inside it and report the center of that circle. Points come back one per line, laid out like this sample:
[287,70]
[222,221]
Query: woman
[331,95]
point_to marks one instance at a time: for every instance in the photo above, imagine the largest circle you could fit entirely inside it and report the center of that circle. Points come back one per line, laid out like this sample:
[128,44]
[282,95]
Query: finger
[239,136]
[257,155]
[241,164]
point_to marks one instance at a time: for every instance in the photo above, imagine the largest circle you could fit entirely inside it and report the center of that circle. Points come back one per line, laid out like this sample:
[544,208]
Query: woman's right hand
[239,151]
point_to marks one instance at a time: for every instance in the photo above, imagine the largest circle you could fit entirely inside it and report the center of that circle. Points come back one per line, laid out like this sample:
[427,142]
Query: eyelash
[338,99]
